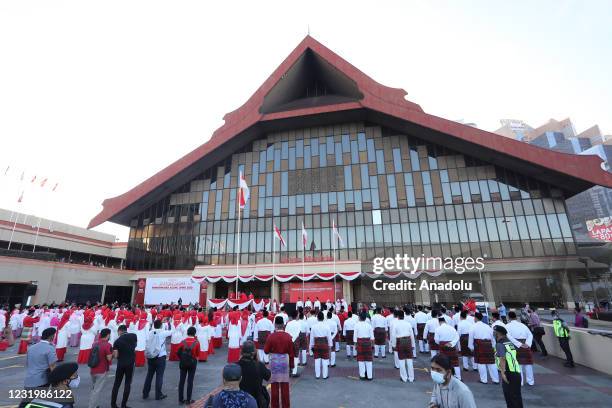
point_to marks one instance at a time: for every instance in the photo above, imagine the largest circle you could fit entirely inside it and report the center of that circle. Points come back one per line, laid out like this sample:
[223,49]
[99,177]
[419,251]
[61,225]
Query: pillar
[275,291]
[347,291]
[489,295]
[421,296]
[566,289]
[210,290]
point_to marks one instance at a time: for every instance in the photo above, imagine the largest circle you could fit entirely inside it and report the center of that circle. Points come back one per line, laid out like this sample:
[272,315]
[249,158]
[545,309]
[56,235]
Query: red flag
[279,236]
[243,192]
[33,179]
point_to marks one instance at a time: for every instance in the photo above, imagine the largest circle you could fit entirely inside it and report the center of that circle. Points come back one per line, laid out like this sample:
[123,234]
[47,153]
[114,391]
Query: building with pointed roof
[320,142]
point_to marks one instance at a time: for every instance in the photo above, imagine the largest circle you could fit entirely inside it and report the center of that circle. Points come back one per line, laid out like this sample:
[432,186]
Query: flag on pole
[243,192]
[7,169]
[313,246]
[42,183]
[22,175]
[337,234]
[33,179]
[278,235]
[20,199]
[55,186]
[304,236]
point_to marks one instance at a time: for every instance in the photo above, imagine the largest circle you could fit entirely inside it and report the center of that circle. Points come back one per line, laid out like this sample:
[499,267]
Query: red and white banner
[600,228]
[168,290]
[220,303]
[281,277]
[243,192]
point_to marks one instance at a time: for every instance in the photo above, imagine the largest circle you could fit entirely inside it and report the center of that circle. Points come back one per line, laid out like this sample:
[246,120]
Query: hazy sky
[101,95]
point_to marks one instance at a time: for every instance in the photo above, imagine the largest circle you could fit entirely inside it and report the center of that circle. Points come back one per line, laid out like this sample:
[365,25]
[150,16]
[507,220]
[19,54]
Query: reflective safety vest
[512,364]
[560,331]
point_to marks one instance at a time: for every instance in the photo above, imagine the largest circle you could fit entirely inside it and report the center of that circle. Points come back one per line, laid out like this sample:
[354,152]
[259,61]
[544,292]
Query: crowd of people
[269,346]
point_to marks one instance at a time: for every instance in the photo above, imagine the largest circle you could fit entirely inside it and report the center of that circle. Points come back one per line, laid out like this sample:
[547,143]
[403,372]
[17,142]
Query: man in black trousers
[510,370]
[125,354]
[156,364]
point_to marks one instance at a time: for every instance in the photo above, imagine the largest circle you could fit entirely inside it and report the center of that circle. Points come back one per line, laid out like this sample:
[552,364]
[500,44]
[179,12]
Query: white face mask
[437,377]
[74,383]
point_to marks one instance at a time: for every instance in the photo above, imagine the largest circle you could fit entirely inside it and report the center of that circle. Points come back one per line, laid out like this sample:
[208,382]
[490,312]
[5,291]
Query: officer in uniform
[562,333]
[508,365]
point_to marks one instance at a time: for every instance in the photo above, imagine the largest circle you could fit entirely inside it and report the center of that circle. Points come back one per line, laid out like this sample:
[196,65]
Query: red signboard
[312,290]
[600,228]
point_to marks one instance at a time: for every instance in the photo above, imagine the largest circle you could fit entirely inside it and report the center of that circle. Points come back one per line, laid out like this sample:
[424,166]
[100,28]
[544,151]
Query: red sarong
[321,348]
[364,349]
[83,356]
[140,358]
[432,343]
[524,355]
[450,352]
[483,352]
[420,329]
[465,350]
[404,348]
[380,336]
[349,338]
[60,353]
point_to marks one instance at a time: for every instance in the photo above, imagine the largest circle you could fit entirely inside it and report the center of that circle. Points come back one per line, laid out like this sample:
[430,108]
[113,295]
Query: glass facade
[389,193]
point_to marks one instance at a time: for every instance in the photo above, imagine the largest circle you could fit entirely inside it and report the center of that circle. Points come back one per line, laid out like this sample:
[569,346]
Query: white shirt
[263,325]
[317,304]
[378,321]
[446,332]
[293,328]
[517,330]
[299,304]
[320,329]
[480,331]
[363,330]
[308,303]
[160,337]
[412,322]
[463,327]
[349,324]
[402,328]
[311,321]
[333,327]
[430,327]
[421,317]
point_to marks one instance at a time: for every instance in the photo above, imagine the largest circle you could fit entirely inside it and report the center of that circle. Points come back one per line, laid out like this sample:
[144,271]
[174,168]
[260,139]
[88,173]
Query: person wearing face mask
[448,391]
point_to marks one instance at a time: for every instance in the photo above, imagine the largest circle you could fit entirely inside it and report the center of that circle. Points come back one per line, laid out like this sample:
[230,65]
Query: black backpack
[187,361]
[94,356]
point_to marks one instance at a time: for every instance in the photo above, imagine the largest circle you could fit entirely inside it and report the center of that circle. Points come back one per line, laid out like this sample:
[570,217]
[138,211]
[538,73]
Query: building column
[347,292]
[566,289]
[210,290]
[421,296]
[488,289]
[275,291]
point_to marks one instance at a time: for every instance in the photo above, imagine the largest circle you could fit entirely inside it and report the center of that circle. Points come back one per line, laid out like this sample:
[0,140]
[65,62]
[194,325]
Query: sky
[99,96]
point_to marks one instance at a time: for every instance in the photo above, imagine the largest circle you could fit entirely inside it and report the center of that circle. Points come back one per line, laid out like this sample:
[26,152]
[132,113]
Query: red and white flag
[337,234]
[243,192]
[20,199]
[42,183]
[33,179]
[304,236]
[55,187]
[278,236]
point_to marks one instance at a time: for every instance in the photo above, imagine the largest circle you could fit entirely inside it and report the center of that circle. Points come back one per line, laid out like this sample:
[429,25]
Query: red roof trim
[377,97]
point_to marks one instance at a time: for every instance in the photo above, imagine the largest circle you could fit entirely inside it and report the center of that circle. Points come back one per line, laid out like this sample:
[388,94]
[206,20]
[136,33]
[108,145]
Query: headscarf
[87,322]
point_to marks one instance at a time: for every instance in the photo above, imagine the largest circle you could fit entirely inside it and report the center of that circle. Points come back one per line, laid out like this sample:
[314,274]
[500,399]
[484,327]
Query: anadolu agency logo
[433,265]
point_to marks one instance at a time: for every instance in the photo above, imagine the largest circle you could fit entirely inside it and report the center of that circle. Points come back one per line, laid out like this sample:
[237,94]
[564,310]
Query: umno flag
[243,192]
[278,235]
[20,199]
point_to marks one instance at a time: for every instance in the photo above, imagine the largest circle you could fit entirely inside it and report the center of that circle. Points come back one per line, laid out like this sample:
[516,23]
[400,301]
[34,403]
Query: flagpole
[334,250]
[273,250]
[36,238]
[238,248]
[303,255]
[13,231]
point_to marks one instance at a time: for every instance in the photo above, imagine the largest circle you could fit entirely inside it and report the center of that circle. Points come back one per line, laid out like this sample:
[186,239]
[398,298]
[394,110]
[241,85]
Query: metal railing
[41,256]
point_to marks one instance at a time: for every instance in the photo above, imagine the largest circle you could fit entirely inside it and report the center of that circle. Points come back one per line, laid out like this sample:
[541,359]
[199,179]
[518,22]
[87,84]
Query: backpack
[152,348]
[94,356]
[187,361]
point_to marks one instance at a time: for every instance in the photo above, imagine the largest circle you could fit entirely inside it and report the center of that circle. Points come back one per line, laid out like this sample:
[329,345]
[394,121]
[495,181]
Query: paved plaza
[555,385]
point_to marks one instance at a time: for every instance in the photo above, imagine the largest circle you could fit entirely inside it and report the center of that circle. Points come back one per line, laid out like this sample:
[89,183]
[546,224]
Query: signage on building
[323,290]
[600,228]
[169,290]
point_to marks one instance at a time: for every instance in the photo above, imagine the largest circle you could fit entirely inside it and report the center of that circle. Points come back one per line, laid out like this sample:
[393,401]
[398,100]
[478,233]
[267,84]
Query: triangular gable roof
[377,98]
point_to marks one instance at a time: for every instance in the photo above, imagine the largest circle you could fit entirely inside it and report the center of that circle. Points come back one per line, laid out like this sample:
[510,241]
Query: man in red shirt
[279,346]
[191,348]
[99,373]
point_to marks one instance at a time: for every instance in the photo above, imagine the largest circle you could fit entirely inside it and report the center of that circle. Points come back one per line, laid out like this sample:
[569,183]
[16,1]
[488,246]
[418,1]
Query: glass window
[380,162]
[414,232]
[307,158]
[330,145]
[322,156]
[292,158]
[397,160]
[434,236]
[501,228]
[314,146]
[277,160]
[472,230]
[532,224]
[376,217]
[365,178]
[346,143]
[512,226]
[428,194]
[284,183]
[397,234]
[492,229]
[269,184]
[482,229]
[371,151]
[543,226]
[565,227]
[414,159]
[299,148]
[361,139]
[285,150]
[354,152]
[410,197]
[453,235]
[393,197]
[348,178]
[338,153]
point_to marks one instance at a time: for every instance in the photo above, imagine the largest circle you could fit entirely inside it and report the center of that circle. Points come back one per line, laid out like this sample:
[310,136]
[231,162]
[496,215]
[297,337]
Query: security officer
[510,370]
[562,333]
